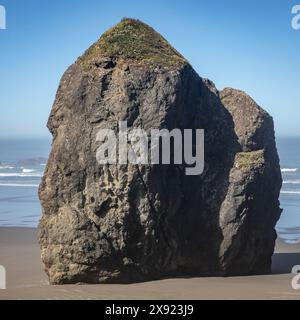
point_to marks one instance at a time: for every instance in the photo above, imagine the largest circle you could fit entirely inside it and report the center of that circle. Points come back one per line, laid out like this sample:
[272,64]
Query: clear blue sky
[248,45]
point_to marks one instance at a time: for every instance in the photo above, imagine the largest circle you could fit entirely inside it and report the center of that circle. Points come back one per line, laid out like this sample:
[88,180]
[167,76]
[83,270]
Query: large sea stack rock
[129,223]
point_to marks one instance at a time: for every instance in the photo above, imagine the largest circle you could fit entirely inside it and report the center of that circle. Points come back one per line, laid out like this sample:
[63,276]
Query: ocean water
[22,163]
[288,227]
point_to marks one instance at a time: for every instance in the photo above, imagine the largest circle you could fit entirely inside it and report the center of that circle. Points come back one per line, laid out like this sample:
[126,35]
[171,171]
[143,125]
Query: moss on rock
[247,160]
[134,40]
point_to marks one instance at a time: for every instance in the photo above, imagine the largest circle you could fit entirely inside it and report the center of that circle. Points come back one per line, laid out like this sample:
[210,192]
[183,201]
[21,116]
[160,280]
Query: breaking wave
[289,170]
[289,192]
[18,185]
[291,182]
[22,175]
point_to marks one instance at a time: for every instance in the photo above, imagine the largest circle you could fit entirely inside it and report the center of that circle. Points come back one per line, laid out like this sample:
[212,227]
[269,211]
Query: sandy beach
[19,254]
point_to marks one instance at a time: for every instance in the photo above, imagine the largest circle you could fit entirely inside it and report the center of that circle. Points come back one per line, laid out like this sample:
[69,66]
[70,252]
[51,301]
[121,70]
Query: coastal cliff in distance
[131,223]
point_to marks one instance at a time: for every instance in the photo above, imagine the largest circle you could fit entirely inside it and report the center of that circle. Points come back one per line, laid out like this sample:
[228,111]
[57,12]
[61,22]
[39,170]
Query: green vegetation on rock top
[134,40]
[249,159]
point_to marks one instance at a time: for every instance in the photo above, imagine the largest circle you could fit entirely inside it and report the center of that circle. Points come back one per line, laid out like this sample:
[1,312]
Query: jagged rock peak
[134,40]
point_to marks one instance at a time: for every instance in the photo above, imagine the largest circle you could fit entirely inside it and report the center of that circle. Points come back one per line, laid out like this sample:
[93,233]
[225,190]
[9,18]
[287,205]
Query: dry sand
[19,254]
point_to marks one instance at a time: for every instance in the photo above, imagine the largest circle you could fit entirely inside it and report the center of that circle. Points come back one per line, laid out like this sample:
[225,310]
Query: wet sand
[20,255]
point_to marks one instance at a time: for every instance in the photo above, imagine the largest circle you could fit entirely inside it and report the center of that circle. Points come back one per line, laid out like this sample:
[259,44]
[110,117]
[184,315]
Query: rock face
[249,213]
[130,223]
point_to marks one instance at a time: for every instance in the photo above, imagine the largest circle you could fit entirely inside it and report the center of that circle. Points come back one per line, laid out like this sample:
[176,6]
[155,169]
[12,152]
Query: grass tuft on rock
[248,160]
[134,40]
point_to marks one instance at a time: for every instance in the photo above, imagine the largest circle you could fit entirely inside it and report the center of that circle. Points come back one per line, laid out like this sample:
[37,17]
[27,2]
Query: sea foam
[289,170]
[18,185]
[22,175]
[289,192]
[28,170]
[291,182]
